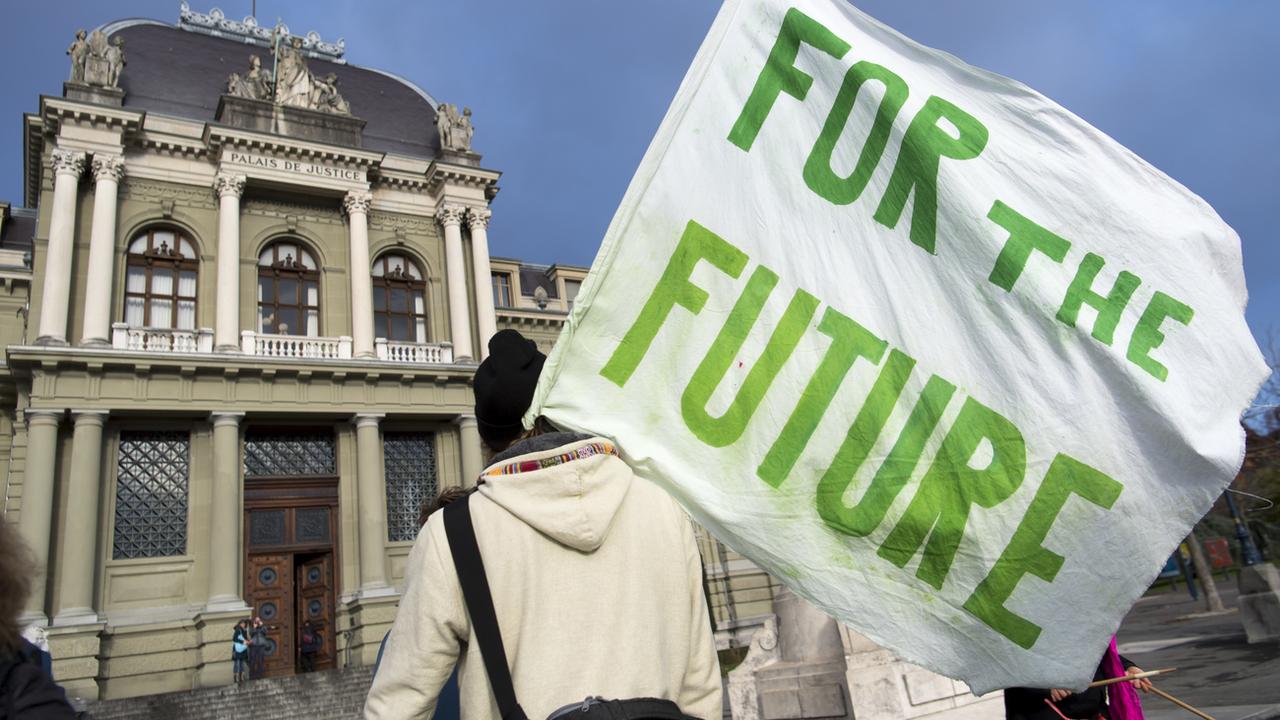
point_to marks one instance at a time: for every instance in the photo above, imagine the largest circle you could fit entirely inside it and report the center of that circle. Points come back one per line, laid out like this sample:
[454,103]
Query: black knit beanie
[504,385]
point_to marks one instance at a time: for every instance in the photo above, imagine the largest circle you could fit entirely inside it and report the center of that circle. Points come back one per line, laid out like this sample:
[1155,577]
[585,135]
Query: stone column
[80,543]
[373,521]
[356,205]
[67,167]
[37,500]
[107,173]
[450,217]
[226,334]
[486,319]
[472,453]
[225,515]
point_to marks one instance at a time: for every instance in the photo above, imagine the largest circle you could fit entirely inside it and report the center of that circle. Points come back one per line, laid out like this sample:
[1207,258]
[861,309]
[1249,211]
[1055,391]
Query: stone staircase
[326,695]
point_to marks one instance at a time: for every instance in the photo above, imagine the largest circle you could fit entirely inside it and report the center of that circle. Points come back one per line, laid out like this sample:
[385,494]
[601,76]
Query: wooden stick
[1122,678]
[1179,703]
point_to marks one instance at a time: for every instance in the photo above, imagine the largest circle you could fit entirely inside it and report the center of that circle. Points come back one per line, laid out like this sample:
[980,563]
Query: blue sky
[567,94]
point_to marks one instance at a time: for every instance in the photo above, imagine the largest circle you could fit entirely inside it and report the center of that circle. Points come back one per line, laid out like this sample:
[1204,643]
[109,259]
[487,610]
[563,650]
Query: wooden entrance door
[290,575]
[313,579]
[271,595]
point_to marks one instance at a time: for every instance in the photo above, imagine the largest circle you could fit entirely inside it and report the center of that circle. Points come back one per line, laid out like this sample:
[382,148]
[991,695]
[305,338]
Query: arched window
[399,299]
[160,280]
[288,290]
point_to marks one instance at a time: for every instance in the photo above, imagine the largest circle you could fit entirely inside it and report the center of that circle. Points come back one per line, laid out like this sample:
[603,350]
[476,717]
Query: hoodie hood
[569,492]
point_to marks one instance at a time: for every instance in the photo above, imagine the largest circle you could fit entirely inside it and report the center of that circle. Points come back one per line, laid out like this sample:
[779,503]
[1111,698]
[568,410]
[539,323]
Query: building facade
[241,310]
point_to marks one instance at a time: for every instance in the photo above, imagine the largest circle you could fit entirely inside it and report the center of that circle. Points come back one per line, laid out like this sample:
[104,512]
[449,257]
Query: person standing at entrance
[258,649]
[309,647]
[240,649]
[595,576]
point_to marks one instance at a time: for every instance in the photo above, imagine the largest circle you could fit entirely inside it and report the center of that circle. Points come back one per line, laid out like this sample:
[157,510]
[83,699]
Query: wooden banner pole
[1123,678]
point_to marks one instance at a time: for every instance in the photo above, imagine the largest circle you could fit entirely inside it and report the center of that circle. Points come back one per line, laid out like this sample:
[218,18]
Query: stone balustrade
[413,352]
[295,346]
[166,340]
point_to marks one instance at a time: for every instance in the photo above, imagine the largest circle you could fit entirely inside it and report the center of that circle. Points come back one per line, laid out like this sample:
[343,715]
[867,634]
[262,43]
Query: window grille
[151,495]
[289,454]
[409,461]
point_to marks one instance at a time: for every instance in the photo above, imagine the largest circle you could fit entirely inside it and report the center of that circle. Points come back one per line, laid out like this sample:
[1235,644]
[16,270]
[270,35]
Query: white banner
[951,363]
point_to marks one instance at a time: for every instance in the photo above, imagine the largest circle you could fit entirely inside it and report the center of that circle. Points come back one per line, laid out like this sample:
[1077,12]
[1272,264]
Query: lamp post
[1249,554]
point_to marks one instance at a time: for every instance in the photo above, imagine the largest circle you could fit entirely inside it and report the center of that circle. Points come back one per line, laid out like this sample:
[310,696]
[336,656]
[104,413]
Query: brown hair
[444,497]
[16,568]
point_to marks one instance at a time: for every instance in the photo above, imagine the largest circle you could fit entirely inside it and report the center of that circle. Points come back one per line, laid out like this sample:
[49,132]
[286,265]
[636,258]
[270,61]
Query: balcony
[413,352]
[166,340]
[339,348]
[295,346]
[301,347]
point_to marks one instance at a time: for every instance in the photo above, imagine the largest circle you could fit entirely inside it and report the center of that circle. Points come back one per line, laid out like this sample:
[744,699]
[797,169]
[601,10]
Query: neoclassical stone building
[241,307]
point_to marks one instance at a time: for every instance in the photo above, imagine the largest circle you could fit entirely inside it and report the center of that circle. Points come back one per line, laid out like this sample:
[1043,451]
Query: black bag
[479,601]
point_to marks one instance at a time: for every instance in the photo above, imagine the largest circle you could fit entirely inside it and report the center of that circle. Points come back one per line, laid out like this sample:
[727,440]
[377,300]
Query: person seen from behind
[27,692]
[594,573]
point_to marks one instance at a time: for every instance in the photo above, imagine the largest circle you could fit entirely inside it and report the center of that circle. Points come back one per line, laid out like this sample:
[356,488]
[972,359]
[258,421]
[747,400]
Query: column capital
[108,167]
[367,419]
[222,419]
[89,417]
[69,162]
[229,184]
[478,218]
[465,421]
[451,215]
[357,201]
[35,416]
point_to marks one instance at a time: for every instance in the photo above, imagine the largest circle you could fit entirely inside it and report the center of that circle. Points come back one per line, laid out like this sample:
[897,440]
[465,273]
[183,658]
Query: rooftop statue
[293,78]
[253,84]
[78,51]
[95,61]
[455,129]
[295,85]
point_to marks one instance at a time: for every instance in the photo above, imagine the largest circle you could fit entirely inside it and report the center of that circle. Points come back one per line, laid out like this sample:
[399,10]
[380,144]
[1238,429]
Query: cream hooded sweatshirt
[597,585]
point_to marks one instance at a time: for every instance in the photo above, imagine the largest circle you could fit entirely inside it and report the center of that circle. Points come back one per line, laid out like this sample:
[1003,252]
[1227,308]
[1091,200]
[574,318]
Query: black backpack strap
[475,592]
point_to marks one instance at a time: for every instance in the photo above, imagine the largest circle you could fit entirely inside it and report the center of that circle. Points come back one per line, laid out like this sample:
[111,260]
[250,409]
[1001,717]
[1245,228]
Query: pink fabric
[1122,698]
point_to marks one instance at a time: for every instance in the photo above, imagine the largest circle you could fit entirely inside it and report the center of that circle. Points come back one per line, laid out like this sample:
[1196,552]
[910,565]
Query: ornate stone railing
[412,352]
[295,346]
[142,339]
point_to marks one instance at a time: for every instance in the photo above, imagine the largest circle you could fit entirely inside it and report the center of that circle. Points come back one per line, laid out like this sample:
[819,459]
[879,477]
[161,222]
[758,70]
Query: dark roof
[18,229]
[178,72]
[537,276]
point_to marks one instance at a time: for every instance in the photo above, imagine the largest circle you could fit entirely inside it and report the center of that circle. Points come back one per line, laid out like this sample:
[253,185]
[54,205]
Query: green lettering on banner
[923,146]
[1026,553]
[817,169]
[862,435]
[1147,336]
[1024,237]
[866,515]
[724,430]
[1109,308]
[849,341]
[673,288]
[780,74]
[940,508]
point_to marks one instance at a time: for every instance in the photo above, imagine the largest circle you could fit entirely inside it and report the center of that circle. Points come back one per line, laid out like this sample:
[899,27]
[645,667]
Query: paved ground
[1218,671]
